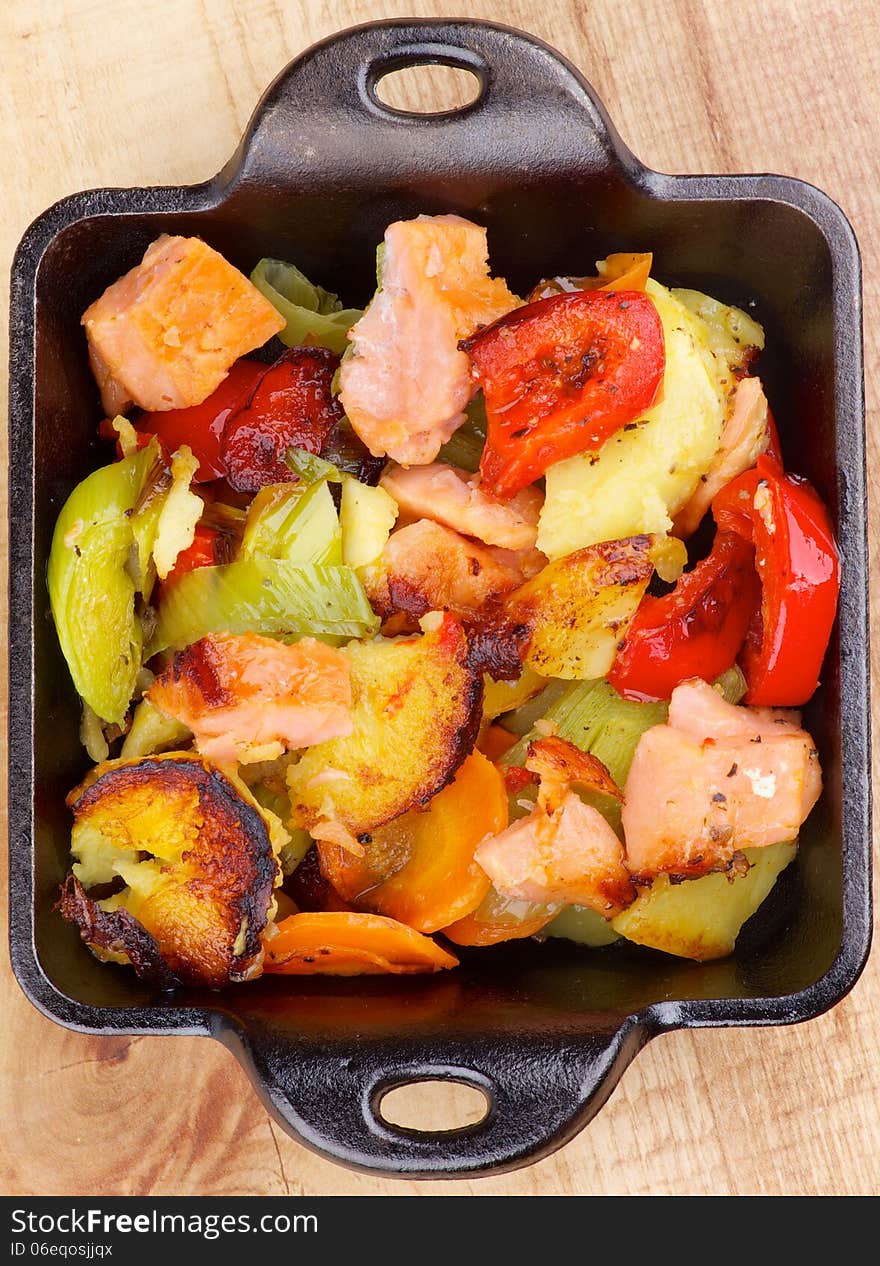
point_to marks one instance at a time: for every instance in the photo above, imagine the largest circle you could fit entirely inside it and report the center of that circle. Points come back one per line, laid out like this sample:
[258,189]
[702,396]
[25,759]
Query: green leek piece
[521,720]
[294,523]
[309,468]
[465,447]
[577,923]
[264,595]
[296,848]
[313,315]
[498,910]
[145,519]
[91,590]
[732,684]
[593,716]
[366,517]
[92,737]
[152,731]
[701,918]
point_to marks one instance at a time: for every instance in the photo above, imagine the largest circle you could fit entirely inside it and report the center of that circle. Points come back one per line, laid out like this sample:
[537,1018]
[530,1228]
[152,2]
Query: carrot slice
[626,272]
[495,741]
[420,868]
[335,943]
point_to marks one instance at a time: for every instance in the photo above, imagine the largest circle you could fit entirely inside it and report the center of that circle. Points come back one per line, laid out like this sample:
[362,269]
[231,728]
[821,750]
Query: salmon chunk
[715,780]
[743,439]
[454,498]
[427,567]
[568,857]
[405,384]
[165,335]
[248,698]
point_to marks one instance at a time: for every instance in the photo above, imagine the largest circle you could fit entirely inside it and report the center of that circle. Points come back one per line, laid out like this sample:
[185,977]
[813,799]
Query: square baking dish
[544,1031]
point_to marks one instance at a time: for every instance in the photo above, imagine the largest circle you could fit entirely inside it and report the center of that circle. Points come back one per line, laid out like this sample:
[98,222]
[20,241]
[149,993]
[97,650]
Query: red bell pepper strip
[562,375]
[202,553]
[696,630]
[799,570]
[201,426]
[290,406]
[773,451]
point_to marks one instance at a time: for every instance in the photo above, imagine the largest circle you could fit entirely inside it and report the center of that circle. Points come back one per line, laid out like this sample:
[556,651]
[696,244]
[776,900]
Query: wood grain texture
[101,92]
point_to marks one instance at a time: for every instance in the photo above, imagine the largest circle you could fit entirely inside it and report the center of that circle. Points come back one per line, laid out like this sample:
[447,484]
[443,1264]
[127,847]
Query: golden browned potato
[416,710]
[197,859]
[578,609]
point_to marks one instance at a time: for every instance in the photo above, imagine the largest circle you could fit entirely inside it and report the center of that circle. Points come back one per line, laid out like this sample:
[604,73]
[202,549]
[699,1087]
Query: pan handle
[321,119]
[540,1090]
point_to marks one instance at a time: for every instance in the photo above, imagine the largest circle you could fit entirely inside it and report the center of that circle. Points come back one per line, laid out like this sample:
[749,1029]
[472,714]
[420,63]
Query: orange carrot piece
[495,741]
[335,943]
[420,868]
[626,272]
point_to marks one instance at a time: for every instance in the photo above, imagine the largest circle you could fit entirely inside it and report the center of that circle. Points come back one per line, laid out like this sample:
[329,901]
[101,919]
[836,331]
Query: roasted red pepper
[696,630]
[799,570]
[202,553]
[562,375]
[773,450]
[201,426]
[290,406]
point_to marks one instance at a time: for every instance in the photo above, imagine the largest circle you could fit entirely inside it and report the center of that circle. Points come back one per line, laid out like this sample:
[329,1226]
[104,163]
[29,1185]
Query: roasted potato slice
[577,609]
[701,918]
[416,711]
[503,696]
[198,859]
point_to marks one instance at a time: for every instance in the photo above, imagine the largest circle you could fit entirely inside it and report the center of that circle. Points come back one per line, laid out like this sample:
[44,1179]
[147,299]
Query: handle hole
[432,1106]
[428,89]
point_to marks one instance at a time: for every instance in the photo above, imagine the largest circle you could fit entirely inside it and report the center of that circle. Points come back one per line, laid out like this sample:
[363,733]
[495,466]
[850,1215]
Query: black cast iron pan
[545,1031]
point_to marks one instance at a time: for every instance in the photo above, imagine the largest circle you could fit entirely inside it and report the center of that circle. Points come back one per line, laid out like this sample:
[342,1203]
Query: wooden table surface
[117,92]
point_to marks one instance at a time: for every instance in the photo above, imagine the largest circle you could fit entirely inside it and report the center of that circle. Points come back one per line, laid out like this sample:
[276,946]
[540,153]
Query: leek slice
[152,731]
[91,590]
[701,918]
[296,847]
[313,315]
[593,716]
[731,685]
[522,719]
[294,523]
[309,467]
[577,923]
[465,447]
[264,595]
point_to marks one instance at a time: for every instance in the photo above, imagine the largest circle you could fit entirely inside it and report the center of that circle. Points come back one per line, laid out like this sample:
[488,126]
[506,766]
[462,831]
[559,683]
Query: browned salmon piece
[714,781]
[702,712]
[568,857]
[405,384]
[248,698]
[427,567]
[454,498]
[560,765]
[743,440]
[165,335]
